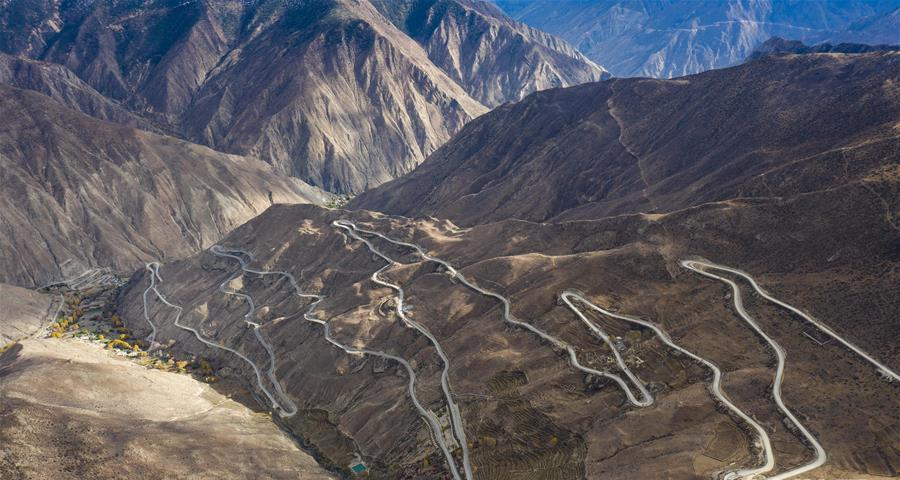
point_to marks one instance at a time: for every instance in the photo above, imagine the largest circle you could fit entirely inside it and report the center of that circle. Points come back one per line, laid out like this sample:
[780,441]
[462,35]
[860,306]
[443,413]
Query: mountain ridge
[247,78]
[644,145]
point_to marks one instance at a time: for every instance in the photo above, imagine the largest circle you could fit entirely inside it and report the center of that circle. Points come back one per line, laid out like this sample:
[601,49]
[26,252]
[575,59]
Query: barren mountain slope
[72,411]
[643,145]
[62,85]
[832,253]
[748,167]
[23,312]
[327,90]
[347,102]
[80,191]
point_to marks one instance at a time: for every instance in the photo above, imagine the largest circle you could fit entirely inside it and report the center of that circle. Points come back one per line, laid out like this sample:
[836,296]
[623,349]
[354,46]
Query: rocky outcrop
[77,189]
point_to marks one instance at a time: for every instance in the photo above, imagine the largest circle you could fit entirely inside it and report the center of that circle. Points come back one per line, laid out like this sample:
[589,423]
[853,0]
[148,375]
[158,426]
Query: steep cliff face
[330,91]
[76,190]
[493,57]
[674,38]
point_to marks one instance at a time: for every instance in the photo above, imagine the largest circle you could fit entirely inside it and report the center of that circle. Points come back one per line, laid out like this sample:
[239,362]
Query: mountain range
[671,38]
[342,94]
[627,146]
[241,103]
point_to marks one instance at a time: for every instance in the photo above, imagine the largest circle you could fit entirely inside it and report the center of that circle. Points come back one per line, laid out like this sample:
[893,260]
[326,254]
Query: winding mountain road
[571,299]
[884,369]
[646,399]
[781,355]
[565,297]
[455,415]
[154,277]
[715,386]
[291,409]
[84,277]
[429,417]
[153,268]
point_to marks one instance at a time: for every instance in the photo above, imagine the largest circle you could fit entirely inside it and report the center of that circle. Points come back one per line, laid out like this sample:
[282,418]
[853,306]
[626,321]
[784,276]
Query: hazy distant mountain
[875,29]
[330,91]
[493,57]
[671,38]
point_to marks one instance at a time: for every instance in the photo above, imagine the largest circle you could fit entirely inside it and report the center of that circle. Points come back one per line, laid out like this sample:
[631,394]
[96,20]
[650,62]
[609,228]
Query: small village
[87,313]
